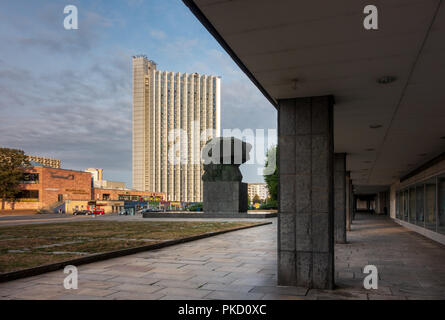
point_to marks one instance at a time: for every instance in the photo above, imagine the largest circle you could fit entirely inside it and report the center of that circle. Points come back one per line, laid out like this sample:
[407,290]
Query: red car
[99,211]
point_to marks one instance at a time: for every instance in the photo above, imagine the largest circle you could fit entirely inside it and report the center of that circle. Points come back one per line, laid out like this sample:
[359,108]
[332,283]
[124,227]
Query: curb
[210,215]
[19,274]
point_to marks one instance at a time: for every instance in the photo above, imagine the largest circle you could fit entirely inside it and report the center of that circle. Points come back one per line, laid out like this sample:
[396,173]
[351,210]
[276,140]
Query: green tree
[256,199]
[271,174]
[12,162]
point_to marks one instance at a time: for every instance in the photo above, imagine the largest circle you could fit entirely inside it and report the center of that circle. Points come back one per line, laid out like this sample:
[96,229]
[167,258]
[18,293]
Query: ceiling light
[386,79]
[375,126]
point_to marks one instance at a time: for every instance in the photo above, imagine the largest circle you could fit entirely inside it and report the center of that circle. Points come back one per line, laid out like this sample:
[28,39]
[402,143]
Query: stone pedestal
[225,196]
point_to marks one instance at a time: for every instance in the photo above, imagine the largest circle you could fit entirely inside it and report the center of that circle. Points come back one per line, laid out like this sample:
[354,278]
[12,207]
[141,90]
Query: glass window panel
[419,204]
[430,205]
[405,205]
[441,221]
[412,205]
[401,205]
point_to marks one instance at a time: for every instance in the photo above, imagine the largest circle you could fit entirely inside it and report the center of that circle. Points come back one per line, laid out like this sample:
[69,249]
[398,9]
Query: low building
[107,206]
[69,190]
[46,187]
[126,195]
[99,182]
[259,189]
[107,184]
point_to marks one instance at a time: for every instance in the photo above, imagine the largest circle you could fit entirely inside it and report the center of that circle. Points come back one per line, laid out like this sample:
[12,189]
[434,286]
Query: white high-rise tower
[172,112]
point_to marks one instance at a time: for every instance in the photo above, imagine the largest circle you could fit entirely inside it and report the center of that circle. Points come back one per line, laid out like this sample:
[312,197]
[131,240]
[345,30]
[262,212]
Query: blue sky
[67,93]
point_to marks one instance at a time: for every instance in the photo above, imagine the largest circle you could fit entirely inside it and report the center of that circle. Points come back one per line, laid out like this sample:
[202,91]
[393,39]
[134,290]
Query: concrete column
[351,204]
[305,193]
[348,200]
[354,206]
[340,197]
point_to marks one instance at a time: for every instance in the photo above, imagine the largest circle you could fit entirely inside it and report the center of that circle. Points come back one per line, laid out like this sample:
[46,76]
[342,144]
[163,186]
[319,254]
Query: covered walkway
[242,265]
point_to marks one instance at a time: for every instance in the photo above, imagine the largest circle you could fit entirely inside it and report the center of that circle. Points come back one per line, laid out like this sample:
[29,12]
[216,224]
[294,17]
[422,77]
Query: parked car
[99,212]
[82,212]
[147,210]
[123,212]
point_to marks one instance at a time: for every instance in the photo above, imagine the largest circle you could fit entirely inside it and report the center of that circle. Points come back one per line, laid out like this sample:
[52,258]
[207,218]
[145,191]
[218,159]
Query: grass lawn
[27,246]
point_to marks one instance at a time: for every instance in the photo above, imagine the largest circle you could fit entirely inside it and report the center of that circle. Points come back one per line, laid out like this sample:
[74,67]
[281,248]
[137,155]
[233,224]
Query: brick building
[46,187]
[126,195]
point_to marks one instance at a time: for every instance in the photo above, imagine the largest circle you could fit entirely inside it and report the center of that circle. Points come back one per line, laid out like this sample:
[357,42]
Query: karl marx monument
[223,190]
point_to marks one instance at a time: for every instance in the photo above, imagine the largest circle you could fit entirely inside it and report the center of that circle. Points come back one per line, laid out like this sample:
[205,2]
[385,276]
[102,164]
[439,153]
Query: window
[124,197]
[30,178]
[419,204]
[412,205]
[106,196]
[441,212]
[28,195]
[405,205]
[430,205]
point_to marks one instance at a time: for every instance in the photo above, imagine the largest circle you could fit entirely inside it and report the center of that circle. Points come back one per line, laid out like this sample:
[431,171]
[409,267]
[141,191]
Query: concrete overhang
[292,48]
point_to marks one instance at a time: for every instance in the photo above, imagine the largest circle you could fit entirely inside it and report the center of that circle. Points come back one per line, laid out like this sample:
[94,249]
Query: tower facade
[174,115]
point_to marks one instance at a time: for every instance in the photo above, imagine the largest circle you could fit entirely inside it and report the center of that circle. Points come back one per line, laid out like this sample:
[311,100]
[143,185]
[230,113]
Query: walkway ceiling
[310,48]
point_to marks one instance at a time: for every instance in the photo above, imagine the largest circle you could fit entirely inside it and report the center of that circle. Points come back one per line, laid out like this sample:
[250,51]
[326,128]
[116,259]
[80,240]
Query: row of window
[27,195]
[30,178]
[423,204]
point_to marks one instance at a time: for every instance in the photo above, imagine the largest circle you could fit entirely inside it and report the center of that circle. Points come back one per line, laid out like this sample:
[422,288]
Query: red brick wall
[73,185]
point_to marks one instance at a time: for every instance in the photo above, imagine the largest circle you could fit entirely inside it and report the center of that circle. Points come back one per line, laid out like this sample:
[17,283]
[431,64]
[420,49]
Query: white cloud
[157,34]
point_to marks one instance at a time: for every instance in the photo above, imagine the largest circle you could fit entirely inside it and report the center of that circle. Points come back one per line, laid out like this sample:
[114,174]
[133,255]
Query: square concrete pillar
[354,206]
[305,192]
[348,201]
[351,204]
[340,197]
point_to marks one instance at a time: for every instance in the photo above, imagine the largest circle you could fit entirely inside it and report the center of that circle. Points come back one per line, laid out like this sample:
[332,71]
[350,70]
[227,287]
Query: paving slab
[242,265]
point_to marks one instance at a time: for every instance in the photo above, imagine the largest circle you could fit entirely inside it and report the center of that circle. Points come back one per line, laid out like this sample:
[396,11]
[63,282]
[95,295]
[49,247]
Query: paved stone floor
[242,265]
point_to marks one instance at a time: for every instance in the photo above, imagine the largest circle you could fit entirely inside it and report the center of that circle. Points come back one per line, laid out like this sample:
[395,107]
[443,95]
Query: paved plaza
[242,265]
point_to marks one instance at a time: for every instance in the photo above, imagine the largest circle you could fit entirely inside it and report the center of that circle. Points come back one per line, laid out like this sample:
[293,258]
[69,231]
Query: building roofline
[51,168]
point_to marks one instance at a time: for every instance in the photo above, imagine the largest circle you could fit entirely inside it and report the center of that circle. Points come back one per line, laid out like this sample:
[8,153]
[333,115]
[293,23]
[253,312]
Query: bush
[270,204]
[195,207]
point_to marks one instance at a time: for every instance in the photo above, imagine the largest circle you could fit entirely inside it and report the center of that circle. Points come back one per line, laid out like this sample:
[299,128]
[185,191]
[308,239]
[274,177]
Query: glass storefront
[430,205]
[412,205]
[423,204]
[441,212]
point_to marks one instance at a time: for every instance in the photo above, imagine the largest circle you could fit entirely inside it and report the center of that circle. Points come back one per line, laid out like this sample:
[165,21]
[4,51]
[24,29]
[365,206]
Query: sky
[66,94]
